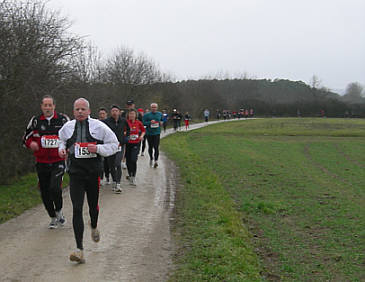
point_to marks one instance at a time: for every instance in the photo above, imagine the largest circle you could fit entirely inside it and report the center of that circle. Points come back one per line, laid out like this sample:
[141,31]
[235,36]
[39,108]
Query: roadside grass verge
[298,184]
[20,196]
[213,240]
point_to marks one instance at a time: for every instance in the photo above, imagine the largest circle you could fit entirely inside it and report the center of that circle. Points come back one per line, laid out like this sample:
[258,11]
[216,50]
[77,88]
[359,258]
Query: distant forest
[40,56]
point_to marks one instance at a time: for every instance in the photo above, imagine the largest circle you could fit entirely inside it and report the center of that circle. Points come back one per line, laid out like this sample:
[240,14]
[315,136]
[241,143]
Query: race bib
[133,137]
[49,141]
[155,124]
[82,152]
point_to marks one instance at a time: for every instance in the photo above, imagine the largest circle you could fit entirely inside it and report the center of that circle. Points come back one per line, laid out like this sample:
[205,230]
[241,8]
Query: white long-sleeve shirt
[98,130]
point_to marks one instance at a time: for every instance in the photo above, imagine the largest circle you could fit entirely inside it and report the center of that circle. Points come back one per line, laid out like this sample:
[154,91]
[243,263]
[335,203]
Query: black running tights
[79,185]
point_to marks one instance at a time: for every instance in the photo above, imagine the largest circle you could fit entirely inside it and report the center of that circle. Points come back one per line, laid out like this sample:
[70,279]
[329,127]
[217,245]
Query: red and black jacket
[39,126]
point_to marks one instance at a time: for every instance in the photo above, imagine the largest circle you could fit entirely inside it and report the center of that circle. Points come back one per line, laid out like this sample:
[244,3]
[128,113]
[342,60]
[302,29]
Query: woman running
[187,118]
[137,132]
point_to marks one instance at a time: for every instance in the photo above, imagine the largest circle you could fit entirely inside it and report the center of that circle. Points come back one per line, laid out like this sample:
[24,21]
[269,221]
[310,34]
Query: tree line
[39,56]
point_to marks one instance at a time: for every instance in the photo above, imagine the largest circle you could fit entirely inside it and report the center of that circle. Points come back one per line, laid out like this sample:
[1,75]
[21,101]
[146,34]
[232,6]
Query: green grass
[21,195]
[297,184]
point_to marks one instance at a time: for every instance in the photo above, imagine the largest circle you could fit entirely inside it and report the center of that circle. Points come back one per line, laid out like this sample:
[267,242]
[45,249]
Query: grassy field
[296,185]
[21,195]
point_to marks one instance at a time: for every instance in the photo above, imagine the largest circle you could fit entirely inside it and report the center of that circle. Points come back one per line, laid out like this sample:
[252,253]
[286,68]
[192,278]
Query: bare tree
[354,93]
[315,82]
[35,59]
[126,68]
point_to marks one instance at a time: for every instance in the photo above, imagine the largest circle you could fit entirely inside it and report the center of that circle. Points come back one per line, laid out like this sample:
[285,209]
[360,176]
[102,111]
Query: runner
[140,118]
[187,118]
[85,139]
[41,136]
[179,118]
[165,118]
[206,115]
[103,114]
[175,119]
[137,132]
[129,105]
[153,121]
[120,127]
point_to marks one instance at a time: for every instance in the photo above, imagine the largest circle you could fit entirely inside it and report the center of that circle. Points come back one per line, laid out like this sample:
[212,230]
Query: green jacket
[152,128]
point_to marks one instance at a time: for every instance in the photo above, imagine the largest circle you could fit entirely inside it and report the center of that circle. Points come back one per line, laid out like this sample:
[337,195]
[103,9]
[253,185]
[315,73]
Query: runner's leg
[118,165]
[77,193]
[56,184]
[112,168]
[44,177]
[156,144]
[92,192]
[150,145]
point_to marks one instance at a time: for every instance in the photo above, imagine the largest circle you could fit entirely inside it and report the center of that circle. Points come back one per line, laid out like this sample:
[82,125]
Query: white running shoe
[124,166]
[108,181]
[53,223]
[151,163]
[61,220]
[118,189]
[133,181]
[114,186]
[77,256]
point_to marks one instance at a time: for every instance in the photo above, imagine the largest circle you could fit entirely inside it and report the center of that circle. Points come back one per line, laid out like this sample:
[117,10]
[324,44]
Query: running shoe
[151,163]
[95,235]
[108,181]
[77,256]
[118,189]
[53,223]
[114,187]
[124,166]
[133,181]
[61,220]
[156,164]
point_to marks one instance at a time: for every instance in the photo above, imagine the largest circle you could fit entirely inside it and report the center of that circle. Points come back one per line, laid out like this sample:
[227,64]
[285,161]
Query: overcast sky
[289,39]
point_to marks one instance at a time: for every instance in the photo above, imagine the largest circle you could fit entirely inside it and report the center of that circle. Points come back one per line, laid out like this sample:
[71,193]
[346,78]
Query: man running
[206,115]
[85,140]
[153,121]
[41,136]
[175,119]
[102,116]
[165,118]
[120,127]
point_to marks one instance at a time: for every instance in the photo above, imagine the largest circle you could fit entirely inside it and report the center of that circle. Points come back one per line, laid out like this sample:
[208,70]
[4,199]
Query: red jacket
[136,129]
[45,133]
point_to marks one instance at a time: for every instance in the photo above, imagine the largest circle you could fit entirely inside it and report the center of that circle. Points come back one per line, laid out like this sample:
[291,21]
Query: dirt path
[135,240]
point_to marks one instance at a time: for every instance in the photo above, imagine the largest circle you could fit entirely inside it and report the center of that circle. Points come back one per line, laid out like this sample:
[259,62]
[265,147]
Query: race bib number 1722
[49,141]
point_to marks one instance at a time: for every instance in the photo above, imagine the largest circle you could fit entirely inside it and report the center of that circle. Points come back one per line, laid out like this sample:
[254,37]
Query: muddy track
[135,240]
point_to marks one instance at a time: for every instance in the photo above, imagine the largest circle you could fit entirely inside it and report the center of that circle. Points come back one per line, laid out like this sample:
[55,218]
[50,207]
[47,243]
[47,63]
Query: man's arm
[111,143]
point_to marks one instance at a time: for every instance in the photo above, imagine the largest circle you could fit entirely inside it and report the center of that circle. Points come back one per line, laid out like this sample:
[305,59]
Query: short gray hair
[154,104]
[83,100]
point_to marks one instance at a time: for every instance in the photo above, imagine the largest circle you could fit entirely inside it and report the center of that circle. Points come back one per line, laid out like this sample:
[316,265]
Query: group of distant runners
[93,152]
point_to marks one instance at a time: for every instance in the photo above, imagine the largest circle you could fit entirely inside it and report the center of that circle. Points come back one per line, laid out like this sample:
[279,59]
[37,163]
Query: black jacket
[120,128]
